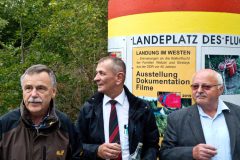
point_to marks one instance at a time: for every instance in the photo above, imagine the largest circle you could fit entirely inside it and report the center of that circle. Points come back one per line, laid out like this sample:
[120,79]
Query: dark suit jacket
[141,127]
[184,131]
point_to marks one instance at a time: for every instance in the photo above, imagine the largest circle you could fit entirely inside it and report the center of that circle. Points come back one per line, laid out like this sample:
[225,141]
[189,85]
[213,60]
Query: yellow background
[175,22]
[184,71]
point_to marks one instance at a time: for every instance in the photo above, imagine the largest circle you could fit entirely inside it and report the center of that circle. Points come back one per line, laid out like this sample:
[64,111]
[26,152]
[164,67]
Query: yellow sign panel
[158,70]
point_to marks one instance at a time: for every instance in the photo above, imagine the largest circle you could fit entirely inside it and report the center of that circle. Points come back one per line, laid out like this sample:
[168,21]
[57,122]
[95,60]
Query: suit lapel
[131,126]
[229,118]
[99,121]
[195,124]
[134,115]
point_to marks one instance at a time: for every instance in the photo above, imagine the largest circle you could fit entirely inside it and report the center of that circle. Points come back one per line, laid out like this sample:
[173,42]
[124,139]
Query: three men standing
[113,121]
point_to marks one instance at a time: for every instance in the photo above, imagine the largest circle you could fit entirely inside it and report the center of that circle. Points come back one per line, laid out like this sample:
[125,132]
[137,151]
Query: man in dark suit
[135,122]
[208,130]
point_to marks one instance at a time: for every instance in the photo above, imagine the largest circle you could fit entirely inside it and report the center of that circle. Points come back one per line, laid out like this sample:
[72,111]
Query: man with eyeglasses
[208,130]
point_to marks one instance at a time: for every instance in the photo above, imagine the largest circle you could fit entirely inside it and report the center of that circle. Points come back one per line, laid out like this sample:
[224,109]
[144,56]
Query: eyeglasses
[203,86]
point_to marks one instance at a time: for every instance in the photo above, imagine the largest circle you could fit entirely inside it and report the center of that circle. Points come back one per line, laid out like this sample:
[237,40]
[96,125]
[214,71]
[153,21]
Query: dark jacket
[184,131]
[56,139]
[141,127]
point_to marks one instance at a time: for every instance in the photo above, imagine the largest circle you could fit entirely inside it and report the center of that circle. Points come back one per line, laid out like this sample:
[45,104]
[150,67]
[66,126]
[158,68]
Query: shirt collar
[120,98]
[221,107]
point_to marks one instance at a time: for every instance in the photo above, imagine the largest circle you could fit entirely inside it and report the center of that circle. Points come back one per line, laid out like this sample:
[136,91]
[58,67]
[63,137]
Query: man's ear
[120,78]
[221,89]
[54,90]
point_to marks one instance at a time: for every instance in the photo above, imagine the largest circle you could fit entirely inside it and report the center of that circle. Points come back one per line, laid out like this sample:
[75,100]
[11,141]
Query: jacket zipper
[44,153]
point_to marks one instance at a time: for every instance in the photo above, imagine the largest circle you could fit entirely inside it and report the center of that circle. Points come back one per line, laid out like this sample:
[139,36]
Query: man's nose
[200,89]
[96,78]
[34,92]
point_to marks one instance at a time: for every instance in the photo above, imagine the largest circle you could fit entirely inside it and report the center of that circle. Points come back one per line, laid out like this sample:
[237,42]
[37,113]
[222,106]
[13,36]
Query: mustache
[34,100]
[199,95]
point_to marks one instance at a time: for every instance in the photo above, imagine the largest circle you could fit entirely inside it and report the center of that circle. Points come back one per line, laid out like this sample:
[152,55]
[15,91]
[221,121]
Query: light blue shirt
[216,131]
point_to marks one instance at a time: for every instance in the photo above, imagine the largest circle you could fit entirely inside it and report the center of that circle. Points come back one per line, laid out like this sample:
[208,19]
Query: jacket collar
[230,118]
[51,119]
[195,124]
[136,106]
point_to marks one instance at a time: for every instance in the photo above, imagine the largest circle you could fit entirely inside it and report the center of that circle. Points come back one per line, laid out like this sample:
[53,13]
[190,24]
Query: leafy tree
[68,36]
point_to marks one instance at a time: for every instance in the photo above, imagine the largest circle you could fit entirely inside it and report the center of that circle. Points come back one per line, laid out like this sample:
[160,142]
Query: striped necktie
[113,126]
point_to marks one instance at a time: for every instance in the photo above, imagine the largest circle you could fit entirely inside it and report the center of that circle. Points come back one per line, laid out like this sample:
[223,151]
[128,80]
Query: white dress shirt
[216,132]
[122,108]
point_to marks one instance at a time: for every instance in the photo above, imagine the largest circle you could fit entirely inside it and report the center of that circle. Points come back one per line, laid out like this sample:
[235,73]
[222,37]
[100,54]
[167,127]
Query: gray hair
[219,78]
[118,64]
[214,73]
[39,68]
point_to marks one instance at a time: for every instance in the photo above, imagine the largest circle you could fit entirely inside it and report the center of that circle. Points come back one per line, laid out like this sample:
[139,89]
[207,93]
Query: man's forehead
[37,77]
[104,65]
[204,78]
[105,62]
[41,74]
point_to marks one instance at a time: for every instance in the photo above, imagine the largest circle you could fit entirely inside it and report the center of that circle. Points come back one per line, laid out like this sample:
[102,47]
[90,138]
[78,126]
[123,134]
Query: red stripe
[114,133]
[117,8]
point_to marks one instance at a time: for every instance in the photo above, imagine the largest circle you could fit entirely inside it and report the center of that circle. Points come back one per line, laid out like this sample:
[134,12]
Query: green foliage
[3,23]
[161,121]
[213,61]
[68,36]
[10,90]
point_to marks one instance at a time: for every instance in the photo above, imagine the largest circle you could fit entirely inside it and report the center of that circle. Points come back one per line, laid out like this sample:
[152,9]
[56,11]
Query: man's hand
[109,150]
[204,152]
